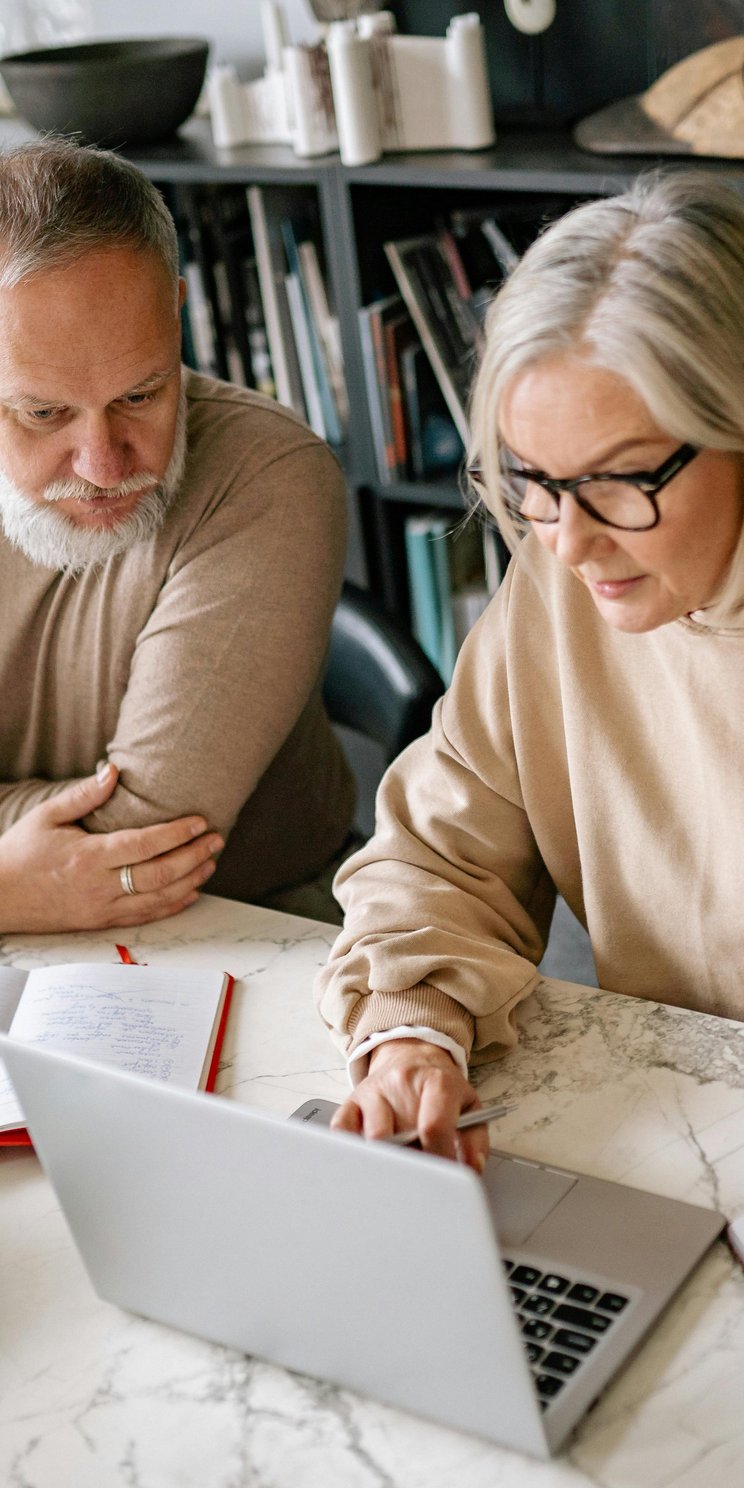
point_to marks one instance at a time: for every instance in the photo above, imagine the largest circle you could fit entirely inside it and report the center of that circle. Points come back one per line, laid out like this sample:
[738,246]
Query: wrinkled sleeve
[448,906]
[233,648]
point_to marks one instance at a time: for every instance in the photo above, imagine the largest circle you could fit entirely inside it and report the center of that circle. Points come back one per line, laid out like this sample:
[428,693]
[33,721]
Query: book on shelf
[162,1021]
[326,323]
[433,443]
[446,322]
[271,269]
[259,356]
[200,319]
[447,583]
[293,236]
[398,332]
[375,320]
[301,334]
[206,322]
[427,617]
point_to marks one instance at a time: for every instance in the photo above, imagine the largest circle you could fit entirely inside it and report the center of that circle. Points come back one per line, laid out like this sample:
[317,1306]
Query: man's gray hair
[60,200]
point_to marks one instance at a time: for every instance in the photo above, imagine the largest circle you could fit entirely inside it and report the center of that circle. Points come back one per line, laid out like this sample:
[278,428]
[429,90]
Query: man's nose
[579,535]
[100,455]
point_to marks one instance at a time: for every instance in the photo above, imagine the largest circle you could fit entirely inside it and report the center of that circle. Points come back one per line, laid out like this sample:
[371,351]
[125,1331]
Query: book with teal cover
[426,619]
[439,539]
[333,431]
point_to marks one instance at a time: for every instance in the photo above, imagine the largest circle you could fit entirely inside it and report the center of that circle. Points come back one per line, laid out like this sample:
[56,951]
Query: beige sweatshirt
[565,755]
[192,661]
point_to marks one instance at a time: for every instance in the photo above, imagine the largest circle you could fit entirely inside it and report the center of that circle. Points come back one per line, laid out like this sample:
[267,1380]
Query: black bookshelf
[357,209]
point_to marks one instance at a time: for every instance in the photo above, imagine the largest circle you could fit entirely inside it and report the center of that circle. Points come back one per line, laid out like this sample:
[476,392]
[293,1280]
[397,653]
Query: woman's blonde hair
[650,285]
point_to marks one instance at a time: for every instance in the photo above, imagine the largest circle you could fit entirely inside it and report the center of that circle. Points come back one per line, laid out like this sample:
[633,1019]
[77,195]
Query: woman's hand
[411,1083]
[55,876]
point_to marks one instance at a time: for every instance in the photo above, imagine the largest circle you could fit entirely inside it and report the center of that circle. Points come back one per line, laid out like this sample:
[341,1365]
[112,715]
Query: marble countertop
[623,1089]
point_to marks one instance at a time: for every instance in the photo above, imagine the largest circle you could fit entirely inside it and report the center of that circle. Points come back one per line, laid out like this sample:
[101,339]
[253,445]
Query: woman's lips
[614,588]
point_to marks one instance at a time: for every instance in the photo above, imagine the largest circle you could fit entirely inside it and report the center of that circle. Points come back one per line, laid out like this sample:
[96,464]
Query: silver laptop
[501,1307]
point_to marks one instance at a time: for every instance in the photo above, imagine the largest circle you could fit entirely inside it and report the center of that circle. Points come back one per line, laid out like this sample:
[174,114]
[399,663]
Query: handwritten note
[148,1020]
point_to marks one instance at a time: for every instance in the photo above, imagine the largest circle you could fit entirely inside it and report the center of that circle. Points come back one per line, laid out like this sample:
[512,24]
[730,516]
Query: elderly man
[170,557]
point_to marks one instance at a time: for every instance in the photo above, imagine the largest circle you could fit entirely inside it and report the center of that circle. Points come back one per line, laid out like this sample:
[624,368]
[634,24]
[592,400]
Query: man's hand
[55,876]
[411,1083]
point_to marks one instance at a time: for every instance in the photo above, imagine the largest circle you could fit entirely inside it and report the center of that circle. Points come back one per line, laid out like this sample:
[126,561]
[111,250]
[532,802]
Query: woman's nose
[578,535]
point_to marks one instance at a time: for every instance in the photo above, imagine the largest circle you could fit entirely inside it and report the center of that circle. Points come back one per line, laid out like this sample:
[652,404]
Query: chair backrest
[378,680]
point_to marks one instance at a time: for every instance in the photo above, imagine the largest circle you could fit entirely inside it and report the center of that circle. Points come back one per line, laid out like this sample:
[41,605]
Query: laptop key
[536,1328]
[591,1322]
[581,1343]
[583,1293]
[538,1305]
[518,1294]
[562,1363]
[548,1385]
[556,1285]
[612,1302]
[534,1353]
[525,1276]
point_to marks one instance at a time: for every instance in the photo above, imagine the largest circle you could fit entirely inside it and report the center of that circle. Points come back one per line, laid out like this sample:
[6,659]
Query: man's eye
[135,400]
[42,415]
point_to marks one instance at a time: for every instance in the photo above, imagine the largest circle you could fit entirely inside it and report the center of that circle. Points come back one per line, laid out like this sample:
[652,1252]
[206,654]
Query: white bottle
[530,16]
[353,94]
[471,108]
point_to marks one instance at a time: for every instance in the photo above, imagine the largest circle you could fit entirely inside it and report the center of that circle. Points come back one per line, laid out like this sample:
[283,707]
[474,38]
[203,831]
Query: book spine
[305,355]
[440,539]
[395,401]
[326,324]
[433,328]
[380,359]
[271,269]
[199,252]
[424,588]
[374,395]
[201,320]
[331,419]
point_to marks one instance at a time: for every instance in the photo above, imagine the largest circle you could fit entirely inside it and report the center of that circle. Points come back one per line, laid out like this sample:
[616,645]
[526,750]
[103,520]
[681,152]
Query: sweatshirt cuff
[358,1062]
[420,1006]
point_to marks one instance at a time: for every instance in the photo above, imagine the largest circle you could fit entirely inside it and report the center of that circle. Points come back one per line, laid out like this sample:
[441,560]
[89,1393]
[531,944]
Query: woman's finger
[442,1098]
[348,1117]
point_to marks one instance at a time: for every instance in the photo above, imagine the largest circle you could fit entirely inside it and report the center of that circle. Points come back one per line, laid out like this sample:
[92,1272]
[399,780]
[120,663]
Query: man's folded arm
[233,649]
[19,796]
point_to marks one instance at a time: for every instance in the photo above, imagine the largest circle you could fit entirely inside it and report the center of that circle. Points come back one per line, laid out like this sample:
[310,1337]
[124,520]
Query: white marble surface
[95,1398]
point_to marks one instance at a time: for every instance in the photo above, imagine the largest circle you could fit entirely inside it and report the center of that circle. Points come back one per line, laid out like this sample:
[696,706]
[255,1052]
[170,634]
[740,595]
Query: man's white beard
[52,540]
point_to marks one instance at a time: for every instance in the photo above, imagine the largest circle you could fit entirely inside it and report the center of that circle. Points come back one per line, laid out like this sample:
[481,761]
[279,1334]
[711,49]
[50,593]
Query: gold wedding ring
[125,879]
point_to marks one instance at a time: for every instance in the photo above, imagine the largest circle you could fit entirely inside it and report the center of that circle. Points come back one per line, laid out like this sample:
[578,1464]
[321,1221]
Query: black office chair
[378,684]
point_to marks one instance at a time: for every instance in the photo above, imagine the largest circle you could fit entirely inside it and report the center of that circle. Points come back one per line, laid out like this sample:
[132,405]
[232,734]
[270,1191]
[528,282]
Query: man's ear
[181,294]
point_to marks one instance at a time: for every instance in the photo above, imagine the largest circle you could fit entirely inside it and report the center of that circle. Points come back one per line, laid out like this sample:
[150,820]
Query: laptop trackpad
[521,1196]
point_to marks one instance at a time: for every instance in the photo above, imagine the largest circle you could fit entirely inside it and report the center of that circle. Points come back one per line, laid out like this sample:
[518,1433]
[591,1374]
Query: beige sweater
[193,660]
[565,755]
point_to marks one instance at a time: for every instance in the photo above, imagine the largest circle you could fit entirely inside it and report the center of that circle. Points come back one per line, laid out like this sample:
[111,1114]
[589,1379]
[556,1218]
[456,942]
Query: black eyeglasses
[627,501]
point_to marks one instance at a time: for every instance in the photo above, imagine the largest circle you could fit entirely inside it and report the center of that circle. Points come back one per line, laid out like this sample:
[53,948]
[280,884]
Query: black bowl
[110,93]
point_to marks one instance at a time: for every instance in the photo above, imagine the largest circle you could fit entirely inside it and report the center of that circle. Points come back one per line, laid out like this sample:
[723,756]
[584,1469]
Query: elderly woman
[592,741]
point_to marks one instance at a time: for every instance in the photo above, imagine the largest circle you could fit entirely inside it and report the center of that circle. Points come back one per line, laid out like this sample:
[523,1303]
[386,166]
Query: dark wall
[594,52]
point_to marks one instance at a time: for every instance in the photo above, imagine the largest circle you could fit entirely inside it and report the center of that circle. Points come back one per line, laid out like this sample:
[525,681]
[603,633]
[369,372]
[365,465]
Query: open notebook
[164,1022]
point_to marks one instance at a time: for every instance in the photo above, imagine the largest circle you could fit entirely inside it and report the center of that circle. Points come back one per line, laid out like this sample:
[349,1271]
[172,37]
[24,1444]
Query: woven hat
[696,108]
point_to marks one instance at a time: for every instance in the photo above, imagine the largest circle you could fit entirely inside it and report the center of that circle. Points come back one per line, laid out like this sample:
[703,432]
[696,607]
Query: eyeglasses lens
[615,502]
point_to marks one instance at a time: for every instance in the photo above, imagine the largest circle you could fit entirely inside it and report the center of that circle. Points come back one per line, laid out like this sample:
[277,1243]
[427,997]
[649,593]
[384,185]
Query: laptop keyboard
[561,1319]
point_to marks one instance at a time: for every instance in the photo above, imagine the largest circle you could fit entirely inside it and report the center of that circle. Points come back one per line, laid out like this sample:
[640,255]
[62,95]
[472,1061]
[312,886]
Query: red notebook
[166,1022]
